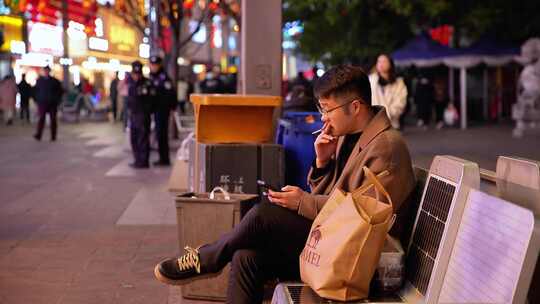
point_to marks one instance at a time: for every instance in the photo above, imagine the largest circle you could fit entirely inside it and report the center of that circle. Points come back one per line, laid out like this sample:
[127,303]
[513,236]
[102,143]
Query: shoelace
[190,260]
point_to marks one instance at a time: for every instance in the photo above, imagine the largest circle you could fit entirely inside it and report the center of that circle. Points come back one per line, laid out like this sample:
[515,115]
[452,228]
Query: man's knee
[266,211]
[244,258]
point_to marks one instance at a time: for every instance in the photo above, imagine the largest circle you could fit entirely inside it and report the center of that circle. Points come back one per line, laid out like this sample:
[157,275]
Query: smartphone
[264,185]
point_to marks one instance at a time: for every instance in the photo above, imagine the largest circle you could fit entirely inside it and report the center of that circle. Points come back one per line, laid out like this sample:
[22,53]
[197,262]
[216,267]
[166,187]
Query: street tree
[173,15]
[357,30]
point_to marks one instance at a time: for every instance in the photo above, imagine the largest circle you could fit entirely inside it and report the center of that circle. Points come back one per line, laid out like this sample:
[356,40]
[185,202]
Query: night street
[77,225]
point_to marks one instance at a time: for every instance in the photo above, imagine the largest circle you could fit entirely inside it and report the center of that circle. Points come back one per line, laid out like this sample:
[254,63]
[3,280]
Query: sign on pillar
[260,64]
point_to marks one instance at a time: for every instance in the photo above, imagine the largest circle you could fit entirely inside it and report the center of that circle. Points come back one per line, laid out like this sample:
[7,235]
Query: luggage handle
[223,191]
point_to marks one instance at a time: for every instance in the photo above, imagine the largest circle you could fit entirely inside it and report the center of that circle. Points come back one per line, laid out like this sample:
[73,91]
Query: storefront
[11,28]
[112,48]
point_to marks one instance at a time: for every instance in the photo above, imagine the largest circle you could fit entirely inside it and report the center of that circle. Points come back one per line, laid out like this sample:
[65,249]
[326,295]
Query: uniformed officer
[163,101]
[139,103]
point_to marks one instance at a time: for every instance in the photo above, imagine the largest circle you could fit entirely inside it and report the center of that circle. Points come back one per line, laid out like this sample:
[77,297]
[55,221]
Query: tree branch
[184,42]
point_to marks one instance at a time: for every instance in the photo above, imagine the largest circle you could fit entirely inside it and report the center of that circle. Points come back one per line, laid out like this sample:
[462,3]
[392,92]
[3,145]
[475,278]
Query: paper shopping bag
[345,242]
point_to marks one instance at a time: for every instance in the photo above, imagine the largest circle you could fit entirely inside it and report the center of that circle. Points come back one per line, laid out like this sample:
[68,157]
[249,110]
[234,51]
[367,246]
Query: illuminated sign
[77,39]
[118,37]
[35,59]
[144,50]
[17,47]
[99,27]
[98,44]
[45,38]
[12,30]
[123,37]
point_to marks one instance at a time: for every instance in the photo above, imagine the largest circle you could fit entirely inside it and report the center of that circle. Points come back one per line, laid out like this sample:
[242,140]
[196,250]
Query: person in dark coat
[212,84]
[423,97]
[48,95]
[113,94]
[25,90]
[139,104]
[163,101]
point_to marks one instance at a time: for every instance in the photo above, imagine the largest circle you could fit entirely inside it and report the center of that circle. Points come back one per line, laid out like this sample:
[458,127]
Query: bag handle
[378,186]
[183,151]
[392,222]
[367,186]
[216,189]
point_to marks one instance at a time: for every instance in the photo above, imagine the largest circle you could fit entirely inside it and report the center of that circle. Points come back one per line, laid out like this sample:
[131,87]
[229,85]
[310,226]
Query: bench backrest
[487,252]
[436,225]
[495,251]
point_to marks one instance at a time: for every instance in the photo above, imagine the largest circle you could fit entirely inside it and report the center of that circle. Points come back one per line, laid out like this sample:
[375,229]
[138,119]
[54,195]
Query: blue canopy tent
[422,51]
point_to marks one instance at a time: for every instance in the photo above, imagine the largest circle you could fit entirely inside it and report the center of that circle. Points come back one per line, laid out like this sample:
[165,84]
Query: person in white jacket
[387,89]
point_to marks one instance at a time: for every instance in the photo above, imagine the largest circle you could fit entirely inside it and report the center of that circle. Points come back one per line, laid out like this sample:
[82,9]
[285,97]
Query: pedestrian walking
[123,91]
[139,104]
[441,101]
[25,91]
[113,95]
[48,95]
[163,101]
[8,97]
[388,90]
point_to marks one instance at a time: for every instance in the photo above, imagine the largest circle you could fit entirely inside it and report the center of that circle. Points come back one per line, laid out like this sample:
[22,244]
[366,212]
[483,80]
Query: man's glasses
[326,112]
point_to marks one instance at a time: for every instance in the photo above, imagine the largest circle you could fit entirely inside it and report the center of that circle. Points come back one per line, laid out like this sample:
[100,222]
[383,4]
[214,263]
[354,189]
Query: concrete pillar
[260,63]
[485,95]
[463,88]
[451,85]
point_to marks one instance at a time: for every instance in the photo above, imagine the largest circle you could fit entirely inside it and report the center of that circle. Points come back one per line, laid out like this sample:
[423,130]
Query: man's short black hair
[344,82]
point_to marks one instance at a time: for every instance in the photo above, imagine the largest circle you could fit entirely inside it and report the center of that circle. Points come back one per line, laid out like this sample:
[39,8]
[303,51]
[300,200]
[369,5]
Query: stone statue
[526,112]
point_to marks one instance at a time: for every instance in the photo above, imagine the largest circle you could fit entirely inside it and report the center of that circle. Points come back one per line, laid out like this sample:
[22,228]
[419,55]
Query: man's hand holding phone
[325,147]
[289,197]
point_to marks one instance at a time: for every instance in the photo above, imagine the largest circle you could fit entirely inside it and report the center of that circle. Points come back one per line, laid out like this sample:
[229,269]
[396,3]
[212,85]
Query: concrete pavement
[71,234]
[77,225]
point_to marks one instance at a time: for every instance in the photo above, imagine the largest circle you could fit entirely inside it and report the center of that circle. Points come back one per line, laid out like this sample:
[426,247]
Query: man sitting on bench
[266,244]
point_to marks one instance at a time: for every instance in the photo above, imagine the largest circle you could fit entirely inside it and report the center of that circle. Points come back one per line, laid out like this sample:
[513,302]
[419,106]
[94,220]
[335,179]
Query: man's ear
[357,107]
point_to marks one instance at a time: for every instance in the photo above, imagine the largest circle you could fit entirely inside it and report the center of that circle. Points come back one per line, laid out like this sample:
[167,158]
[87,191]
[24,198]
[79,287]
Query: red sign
[442,34]
[50,12]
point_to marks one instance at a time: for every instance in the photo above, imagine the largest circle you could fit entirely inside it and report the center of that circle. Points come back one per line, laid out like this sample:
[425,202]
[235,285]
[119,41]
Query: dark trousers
[161,117]
[140,137]
[25,110]
[439,110]
[424,112]
[114,106]
[125,111]
[265,245]
[43,110]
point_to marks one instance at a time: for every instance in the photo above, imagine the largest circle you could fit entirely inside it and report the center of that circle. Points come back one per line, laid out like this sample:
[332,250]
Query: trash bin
[231,118]
[294,133]
[202,220]
[234,167]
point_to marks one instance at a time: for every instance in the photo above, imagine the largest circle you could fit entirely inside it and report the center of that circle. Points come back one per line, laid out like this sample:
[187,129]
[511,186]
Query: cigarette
[318,131]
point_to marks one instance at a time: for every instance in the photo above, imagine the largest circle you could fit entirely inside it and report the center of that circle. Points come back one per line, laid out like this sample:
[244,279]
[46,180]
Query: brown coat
[8,94]
[380,148]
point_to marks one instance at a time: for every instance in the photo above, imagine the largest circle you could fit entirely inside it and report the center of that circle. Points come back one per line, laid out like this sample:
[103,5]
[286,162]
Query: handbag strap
[362,189]
[392,222]
[377,184]
[216,189]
